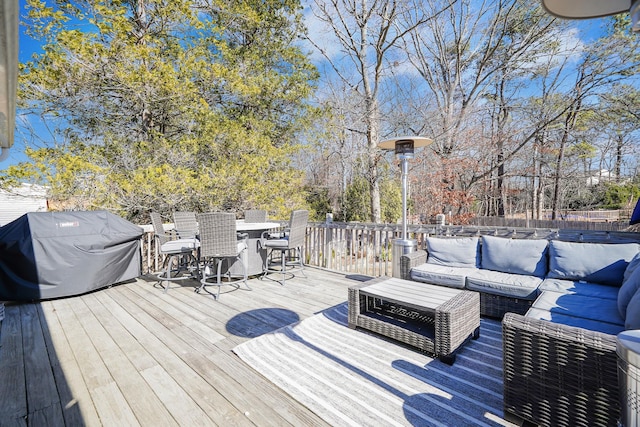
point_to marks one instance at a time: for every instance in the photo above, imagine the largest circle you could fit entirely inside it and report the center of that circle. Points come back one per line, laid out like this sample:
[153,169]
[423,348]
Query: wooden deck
[133,355]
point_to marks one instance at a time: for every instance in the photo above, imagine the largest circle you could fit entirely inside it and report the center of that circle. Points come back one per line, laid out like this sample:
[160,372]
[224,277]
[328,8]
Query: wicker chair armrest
[181,234]
[408,261]
[167,235]
[557,374]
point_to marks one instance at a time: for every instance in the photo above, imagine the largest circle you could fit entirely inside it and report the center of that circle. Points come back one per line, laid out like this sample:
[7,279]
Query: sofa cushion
[591,262]
[453,277]
[578,310]
[517,256]
[632,318]
[504,284]
[629,288]
[580,288]
[453,252]
[578,322]
[633,265]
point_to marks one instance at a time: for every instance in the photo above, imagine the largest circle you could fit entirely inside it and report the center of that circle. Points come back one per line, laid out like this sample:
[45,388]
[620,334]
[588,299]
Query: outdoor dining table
[256,255]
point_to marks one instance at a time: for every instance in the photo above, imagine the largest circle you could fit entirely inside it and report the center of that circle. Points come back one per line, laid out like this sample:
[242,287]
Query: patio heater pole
[404,148]
[405,173]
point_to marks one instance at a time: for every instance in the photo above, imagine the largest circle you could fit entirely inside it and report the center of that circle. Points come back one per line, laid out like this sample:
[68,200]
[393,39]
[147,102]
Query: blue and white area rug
[352,377]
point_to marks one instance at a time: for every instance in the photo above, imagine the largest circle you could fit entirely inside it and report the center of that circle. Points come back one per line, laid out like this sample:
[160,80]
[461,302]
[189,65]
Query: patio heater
[404,147]
[9,12]
[585,9]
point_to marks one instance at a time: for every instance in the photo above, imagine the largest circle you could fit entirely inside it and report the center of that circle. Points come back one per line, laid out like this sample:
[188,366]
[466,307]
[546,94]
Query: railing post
[328,237]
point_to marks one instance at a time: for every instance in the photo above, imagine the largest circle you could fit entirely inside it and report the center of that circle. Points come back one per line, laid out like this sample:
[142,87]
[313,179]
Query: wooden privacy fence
[366,248]
[588,222]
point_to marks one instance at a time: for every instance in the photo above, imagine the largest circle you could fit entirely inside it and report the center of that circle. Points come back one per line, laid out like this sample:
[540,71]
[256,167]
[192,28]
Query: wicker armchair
[290,247]
[180,255]
[186,224]
[255,215]
[558,375]
[219,242]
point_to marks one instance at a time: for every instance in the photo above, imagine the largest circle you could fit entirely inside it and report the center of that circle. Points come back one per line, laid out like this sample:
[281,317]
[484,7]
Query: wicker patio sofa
[558,375]
[559,347]
[482,264]
[488,264]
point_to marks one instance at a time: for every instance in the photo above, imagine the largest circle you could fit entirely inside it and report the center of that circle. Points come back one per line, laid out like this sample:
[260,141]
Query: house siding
[19,201]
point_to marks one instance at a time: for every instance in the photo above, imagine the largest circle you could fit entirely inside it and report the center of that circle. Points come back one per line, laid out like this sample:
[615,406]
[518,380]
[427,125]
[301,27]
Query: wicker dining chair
[180,254]
[186,224]
[221,244]
[290,247]
[255,215]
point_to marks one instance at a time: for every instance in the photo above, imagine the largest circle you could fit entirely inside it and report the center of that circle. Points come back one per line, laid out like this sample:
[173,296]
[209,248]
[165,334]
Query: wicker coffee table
[432,318]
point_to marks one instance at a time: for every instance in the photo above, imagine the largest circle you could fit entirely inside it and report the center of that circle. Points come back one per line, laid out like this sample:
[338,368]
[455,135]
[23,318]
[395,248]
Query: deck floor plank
[43,401]
[106,396]
[75,399]
[13,392]
[170,349]
[204,358]
[114,320]
[133,355]
[139,395]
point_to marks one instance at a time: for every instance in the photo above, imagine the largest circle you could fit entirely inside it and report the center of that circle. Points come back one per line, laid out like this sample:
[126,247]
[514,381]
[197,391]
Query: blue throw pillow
[632,319]
[629,288]
[517,256]
[633,265]
[453,252]
[592,262]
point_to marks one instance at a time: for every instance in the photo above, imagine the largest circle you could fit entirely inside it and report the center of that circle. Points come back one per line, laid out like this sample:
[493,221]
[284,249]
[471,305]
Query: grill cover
[56,254]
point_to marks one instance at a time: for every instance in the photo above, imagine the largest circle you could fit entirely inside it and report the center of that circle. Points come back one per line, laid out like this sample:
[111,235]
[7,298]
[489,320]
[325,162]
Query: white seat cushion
[179,245]
[277,244]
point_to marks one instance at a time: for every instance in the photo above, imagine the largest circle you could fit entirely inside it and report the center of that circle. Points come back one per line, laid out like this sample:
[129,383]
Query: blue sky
[27,46]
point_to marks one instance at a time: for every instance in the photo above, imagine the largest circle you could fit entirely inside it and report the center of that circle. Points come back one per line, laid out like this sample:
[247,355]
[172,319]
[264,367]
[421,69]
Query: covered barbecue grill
[55,254]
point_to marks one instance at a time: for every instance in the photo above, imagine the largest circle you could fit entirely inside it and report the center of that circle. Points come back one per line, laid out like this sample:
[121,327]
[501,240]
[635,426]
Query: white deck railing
[366,248]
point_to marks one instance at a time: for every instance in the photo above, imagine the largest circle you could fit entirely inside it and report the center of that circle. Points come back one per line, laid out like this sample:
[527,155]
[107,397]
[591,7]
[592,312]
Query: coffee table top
[409,293]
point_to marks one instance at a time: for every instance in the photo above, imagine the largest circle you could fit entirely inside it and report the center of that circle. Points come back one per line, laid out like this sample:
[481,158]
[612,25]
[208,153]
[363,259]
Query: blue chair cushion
[578,310]
[517,256]
[580,288]
[591,262]
[453,252]
[577,322]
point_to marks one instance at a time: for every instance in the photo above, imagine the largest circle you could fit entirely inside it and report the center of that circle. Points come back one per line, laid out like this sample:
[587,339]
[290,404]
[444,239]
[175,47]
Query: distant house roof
[603,175]
[20,200]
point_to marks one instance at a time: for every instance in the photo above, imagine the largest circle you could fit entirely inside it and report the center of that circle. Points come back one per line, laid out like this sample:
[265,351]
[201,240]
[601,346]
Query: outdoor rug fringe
[353,377]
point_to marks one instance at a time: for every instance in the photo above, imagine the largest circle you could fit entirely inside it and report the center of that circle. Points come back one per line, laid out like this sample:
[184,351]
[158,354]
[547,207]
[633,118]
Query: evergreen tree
[167,104]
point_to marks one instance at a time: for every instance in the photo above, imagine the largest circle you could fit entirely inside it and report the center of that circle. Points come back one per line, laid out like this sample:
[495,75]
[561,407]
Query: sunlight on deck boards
[133,355]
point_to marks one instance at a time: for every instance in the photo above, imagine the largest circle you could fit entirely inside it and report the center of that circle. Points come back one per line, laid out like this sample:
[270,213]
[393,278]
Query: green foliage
[319,203]
[357,199]
[618,196]
[390,201]
[167,105]
[583,150]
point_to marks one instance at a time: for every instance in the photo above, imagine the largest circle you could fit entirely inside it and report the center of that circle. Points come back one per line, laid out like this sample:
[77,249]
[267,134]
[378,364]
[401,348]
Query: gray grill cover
[55,254]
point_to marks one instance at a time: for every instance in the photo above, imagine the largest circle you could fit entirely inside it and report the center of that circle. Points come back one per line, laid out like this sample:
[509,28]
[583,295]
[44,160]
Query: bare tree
[367,33]
[470,57]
